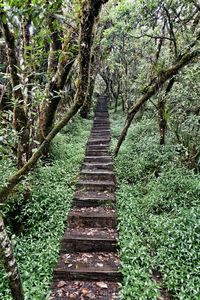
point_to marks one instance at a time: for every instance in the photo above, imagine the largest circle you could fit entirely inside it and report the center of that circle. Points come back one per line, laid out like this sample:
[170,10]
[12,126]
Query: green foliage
[158,202]
[43,217]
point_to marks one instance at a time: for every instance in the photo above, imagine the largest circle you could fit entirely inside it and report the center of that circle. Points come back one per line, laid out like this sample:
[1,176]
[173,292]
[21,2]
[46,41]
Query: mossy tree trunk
[162,112]
[55,86]
[85,109]
[20,120]
[10,265]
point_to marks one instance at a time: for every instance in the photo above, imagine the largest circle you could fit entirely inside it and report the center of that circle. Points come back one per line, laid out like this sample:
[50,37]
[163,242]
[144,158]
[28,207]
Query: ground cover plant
[56,57]
[158,206]
[43,217]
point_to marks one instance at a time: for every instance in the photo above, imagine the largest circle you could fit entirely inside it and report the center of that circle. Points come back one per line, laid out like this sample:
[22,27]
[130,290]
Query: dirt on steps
[89,266]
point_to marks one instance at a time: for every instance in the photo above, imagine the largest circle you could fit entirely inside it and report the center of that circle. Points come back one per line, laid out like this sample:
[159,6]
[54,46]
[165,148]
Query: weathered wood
[92,199]
[92,217]
[75,267]
[101,175]
[89,245]
[10,264]
[89,240]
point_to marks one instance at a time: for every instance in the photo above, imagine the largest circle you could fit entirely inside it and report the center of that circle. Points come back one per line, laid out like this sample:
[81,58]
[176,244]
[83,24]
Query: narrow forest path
[88,266]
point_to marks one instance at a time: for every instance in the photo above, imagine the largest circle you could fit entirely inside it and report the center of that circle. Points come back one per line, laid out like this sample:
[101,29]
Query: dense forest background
[55,59]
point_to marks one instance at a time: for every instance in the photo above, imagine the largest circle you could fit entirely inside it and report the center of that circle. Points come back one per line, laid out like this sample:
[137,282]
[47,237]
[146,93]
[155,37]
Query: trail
[88,266]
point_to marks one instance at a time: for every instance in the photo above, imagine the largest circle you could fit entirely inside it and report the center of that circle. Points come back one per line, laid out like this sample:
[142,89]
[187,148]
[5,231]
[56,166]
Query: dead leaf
[84,291]
[91,296]
[102,285]
[61,284]
[99,265]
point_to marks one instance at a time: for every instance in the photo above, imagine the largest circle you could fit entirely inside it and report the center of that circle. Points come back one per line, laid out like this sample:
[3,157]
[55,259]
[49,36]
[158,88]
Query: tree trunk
[10,265]
[20,121]
[162,120]
[151,90]
[85,109]
[49,106]
[162,112]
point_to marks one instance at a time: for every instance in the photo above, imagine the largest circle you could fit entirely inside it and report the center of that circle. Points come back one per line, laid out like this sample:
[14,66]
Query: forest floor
[42,218]
[158,200]
[158,209]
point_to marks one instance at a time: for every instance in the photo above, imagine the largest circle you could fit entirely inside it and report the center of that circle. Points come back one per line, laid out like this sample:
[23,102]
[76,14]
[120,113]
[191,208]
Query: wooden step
[98,141]
[89,240]
[102,114]
[101,127]
[100,174]
[99,186]
[101,131]
[100,135]
[97,144]
[92,199]
[88,266]
[101,123]
[97,152]
[95,217]
[83,290]
[97,166]
[97,137]
[102,147]
[101,119]
[98,159]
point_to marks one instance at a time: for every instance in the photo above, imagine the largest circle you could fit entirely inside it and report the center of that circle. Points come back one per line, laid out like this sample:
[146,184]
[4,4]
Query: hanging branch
[152,89]
[171,31]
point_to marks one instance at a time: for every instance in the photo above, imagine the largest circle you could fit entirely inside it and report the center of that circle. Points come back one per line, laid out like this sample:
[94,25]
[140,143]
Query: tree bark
[10,264]
[49,106]
[162,112]
[151,90]
[20,120]
[55,44]
[85,109]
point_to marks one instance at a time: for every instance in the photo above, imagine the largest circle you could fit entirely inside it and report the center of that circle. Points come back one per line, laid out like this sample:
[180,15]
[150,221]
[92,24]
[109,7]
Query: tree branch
[151,90]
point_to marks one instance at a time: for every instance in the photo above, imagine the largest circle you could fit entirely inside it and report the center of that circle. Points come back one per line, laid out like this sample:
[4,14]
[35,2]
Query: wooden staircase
[89,266]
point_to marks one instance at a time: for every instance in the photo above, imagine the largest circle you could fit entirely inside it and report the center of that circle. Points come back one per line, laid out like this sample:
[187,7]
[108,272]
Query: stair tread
[96,182]
[91,195]
[99,139]
[64,290]
[92,212]
[99,171]
[91,234]
[101,156]
[96,262]
[93,164]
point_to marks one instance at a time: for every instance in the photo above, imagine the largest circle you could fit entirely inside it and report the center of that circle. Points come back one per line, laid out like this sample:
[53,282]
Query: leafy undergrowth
[158,203]
[43,217]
